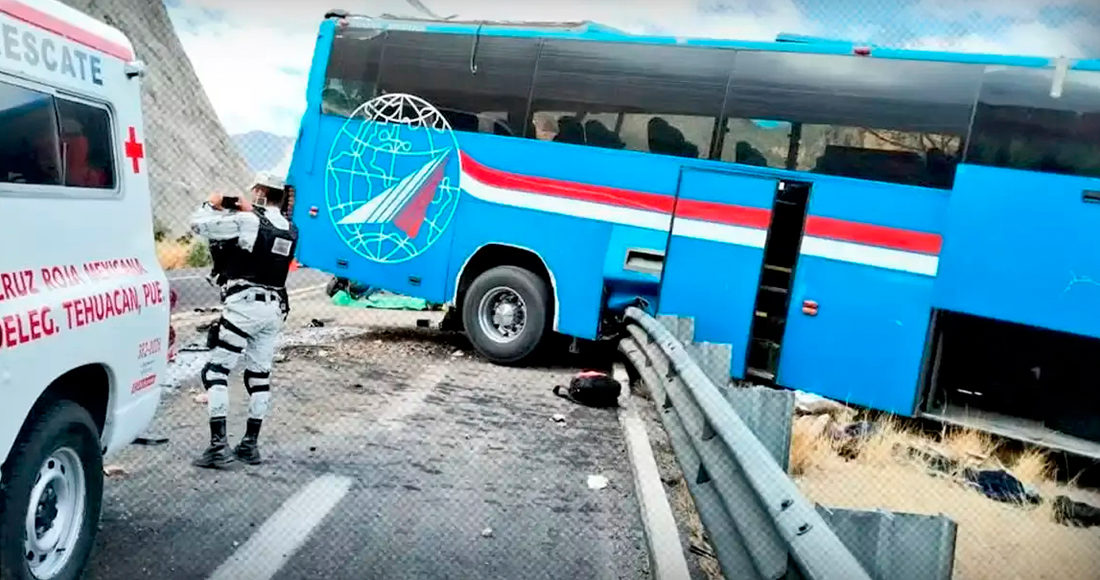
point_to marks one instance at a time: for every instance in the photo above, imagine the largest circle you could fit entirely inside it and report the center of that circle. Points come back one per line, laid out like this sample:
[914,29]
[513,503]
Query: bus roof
[786,42]
[63,20]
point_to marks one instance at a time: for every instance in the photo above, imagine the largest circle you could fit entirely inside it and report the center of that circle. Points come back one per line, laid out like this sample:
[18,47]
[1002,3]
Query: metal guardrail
[759,523]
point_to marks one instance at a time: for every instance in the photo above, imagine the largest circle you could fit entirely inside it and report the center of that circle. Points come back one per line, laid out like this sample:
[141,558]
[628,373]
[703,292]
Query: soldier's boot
[248,450]
[218,454]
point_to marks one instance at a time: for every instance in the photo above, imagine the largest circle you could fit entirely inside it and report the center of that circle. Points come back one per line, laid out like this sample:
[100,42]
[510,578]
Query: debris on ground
[314,323]
[380,301]
[558,418]
[597,482]
[1000,485]
[811,404]
[458,353]
[487,533]
[150,441]
[113,470]
[1075,513]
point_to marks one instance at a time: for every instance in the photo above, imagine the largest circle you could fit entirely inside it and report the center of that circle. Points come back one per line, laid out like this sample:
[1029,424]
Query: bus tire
[61,447]
[504,314]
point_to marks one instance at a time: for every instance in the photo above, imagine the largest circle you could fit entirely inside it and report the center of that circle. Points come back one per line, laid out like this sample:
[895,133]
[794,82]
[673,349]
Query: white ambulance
[84,304]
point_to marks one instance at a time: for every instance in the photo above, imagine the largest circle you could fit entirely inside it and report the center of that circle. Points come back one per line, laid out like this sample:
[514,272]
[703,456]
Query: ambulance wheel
[504,313]
[51,496]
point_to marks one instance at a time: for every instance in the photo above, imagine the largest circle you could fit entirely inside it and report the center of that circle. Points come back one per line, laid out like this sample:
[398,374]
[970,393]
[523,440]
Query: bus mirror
[1061,69]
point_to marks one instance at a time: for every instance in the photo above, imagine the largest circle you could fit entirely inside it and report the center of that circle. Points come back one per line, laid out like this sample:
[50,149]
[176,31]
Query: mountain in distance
[262,151]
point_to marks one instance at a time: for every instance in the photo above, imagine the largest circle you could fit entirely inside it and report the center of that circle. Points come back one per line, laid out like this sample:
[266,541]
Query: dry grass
[173,254]
[995,540]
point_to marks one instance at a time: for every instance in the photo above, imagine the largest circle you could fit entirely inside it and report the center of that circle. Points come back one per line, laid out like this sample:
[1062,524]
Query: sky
[253,56]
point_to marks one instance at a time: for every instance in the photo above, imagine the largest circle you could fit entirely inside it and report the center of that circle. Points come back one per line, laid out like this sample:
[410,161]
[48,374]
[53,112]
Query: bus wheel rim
[502,314]
[55,513]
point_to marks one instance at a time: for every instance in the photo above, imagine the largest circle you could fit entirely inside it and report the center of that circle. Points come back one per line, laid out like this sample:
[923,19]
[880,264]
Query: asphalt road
[392,454]
[193,291]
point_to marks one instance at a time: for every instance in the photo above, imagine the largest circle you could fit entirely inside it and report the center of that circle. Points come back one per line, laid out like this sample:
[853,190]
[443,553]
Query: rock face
[190,154]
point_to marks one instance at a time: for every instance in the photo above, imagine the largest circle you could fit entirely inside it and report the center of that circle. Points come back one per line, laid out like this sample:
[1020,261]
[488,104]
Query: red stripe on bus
[721,213]
[558,188]
[872,235]
[54,24]
[724,213]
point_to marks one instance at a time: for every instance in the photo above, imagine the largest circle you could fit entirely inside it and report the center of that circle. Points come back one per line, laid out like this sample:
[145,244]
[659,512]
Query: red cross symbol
[135,151]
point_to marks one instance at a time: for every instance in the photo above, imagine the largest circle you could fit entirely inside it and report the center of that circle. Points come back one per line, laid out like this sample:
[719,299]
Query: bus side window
[436,68]
[351,77]
[650,98]
[29,148]
[87,151]
[885,120]
[1018,125]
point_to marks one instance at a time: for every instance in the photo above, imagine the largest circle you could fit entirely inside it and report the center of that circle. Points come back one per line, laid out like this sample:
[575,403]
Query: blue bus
[907,231]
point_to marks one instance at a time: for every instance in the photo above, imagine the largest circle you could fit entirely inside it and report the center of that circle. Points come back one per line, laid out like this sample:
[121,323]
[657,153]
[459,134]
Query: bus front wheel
[51,496]
[504,313]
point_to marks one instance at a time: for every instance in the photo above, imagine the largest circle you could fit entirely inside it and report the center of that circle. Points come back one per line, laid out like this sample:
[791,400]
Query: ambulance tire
[507,281]
[67,432]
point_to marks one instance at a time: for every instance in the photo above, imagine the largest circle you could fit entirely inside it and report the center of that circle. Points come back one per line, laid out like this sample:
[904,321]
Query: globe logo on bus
[392,179]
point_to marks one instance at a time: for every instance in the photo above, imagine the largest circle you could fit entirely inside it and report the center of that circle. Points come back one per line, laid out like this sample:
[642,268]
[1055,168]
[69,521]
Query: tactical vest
[268,264]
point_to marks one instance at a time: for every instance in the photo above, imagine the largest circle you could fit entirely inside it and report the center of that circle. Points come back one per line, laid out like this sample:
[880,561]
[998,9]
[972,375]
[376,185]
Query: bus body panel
[865,344]
[100,297]
[1021,246]
[715,255]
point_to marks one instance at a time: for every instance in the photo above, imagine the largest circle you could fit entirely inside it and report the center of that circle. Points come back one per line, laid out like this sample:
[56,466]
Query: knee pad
[257,381]
[213,375]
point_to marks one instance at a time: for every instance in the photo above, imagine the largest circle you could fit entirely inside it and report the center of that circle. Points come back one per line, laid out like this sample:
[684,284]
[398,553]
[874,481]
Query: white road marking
[265,553]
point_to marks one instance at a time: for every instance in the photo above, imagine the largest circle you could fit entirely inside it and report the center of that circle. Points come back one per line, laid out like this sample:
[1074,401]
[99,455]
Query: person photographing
[252,244]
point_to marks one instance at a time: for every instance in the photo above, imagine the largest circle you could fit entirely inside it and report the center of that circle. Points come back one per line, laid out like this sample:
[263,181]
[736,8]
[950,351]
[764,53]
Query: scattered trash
[423,323]
[858,430]
[458,353]
[316,323]
[357,387]
[1000,485]
[597,482]
[236,543]
[113,470]
[202,398]
[150,441]
[281,357]
[1075,514]
[487,533]
[558,418]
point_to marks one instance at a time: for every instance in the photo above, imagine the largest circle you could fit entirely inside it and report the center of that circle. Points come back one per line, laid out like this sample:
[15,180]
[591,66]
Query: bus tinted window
[352,71]
[883,120]
[29,150]
[480,85]
[659,99]
[86,148]
[1019,124]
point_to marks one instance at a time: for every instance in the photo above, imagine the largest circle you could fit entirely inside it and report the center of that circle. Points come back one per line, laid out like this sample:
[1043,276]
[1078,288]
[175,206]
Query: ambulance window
[29,151]
[86,145]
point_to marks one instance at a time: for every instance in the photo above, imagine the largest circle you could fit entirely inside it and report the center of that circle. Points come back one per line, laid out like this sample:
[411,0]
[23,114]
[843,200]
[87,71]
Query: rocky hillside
[190,153]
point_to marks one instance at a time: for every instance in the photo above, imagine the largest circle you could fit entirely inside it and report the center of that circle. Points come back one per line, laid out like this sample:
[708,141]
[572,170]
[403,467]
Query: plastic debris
[458,353]
[113,470]
[597,482]
[487,533]
[558,418]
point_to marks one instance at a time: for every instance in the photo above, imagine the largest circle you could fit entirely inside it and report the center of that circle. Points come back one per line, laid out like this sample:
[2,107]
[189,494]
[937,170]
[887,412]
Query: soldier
[253,245]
